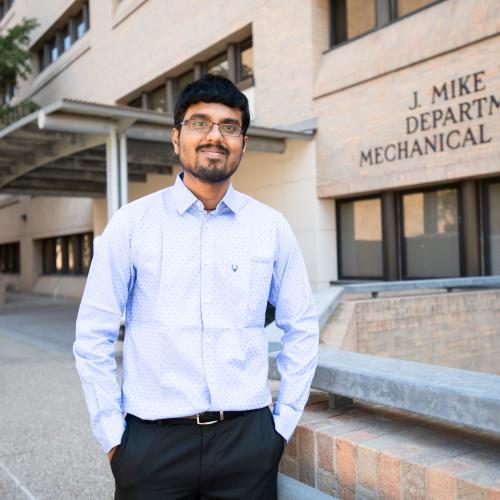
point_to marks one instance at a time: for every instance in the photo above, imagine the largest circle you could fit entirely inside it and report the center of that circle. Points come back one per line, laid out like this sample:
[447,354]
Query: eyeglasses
[204,127]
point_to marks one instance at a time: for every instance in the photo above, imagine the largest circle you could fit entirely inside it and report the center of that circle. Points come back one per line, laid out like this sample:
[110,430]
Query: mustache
[218,147]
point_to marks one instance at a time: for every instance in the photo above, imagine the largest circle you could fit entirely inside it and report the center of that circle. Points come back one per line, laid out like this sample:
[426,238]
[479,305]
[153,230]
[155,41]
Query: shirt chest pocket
[261,273]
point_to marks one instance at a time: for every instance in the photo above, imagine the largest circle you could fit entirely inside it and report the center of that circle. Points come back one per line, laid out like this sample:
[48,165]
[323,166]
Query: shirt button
[207,300]
[207,262]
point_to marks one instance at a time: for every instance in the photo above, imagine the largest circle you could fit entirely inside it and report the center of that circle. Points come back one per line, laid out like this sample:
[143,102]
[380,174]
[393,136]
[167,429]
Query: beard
[212,171]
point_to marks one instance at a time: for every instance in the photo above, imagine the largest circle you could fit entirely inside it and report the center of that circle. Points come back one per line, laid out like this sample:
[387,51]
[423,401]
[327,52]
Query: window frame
[339,202]
[10,257]
[402,247]
[5,7]
[233,58]
[48,246]
[391,6]
[57,39]
[485,222]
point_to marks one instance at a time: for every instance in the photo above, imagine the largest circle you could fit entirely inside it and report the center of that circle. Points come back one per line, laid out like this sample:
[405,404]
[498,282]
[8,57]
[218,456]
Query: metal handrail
[447,283]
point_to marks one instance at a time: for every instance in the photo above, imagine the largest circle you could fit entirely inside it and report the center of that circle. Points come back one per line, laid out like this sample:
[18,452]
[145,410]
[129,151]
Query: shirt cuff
[111,430]
[286,419]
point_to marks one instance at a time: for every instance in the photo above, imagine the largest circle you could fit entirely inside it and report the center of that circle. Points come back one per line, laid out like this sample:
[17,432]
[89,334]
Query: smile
[213,152]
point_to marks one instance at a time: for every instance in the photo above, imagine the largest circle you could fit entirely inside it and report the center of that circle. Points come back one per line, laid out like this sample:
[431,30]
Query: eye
[199,123]
[229,127]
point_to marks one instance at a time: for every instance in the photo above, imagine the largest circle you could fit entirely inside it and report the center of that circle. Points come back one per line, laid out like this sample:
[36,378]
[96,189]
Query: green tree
[14,59]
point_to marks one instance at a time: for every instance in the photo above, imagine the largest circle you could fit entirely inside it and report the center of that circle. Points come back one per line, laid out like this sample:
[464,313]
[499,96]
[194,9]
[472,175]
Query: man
[195,265]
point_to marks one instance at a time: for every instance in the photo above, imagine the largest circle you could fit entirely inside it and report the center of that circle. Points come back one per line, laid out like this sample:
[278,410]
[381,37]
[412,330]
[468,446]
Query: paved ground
[46,447]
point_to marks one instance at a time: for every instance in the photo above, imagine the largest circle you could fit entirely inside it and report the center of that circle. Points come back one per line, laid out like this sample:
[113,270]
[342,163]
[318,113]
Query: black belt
[205,418]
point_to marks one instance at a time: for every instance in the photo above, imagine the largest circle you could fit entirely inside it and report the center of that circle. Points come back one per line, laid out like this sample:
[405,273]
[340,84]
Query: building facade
[394,171]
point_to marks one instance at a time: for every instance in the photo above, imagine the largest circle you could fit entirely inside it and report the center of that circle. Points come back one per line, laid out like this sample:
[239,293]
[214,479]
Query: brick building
[375,128]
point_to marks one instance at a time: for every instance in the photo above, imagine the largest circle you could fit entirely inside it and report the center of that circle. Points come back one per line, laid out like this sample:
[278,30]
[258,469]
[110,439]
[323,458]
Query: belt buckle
[221,413]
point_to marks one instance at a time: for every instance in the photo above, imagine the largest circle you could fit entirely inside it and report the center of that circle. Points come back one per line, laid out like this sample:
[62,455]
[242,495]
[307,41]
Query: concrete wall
[363,102]
[98,67]
[45,217]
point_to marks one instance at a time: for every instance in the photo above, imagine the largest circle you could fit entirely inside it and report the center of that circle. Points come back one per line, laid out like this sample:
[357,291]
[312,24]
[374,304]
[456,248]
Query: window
[8,94]
[184,80]
[136,103]
[492,228]
[245,60]
[54,51]
[73,29]
[67,254]
[404,7]
[67,38]
[5,5]
[431,242]
[219,66]
[360,234]
[159,99]
[236,63]
[352,18]
[10,258]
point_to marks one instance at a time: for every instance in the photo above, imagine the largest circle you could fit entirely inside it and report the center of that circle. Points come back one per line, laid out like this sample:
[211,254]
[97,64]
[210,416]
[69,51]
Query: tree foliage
[14,56]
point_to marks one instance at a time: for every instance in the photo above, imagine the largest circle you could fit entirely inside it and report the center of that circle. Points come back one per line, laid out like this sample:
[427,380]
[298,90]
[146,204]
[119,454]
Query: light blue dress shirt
[195,285]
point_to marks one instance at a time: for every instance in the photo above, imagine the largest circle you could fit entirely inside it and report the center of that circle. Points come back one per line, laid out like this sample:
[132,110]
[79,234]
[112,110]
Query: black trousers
[231,460]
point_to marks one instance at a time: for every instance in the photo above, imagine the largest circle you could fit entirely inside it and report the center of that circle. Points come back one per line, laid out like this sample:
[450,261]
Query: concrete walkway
[46,446]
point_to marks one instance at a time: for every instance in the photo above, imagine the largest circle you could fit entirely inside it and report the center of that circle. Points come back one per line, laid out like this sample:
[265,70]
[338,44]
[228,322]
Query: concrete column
[383,11]
[470,222]
[72,29]
[145,100]
[112,173]
[232,62]
[198,70]
[390,236]
[85,16]
[170,95]
[123,190]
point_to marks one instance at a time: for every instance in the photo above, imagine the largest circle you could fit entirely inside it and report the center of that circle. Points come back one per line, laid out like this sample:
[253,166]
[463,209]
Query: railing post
[336,402]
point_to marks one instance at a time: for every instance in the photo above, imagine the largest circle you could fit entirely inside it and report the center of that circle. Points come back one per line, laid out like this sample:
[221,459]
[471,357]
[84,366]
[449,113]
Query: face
[210,157]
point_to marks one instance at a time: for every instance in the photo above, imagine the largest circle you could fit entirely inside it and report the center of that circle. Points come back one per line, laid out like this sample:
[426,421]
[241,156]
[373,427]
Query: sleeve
[97,327]
[296,315]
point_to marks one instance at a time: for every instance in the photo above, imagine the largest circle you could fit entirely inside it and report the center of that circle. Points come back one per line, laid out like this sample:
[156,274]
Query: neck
[208,193]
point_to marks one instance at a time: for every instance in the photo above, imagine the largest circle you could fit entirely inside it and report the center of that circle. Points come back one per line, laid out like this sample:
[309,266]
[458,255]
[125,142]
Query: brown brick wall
[366,452]
[460,329]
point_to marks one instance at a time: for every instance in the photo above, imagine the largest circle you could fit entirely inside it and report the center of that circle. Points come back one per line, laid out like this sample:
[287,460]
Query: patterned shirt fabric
[195,285]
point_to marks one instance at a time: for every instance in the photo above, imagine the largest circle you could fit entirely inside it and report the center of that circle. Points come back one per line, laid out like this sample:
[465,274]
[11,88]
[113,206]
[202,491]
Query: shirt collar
[184,198]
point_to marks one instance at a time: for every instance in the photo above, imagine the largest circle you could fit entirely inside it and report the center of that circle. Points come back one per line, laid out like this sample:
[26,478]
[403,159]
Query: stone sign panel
[435,121]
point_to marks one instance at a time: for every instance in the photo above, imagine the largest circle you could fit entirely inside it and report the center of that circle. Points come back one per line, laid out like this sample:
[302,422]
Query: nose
[215,132]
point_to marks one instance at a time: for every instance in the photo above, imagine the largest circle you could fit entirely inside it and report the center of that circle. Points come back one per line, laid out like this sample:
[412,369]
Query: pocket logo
[234,267]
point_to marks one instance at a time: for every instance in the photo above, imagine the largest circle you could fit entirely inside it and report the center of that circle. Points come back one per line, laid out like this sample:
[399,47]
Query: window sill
[70,56]
[125,9]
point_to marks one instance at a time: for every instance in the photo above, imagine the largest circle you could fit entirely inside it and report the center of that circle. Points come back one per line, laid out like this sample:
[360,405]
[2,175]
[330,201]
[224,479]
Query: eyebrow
[206,117]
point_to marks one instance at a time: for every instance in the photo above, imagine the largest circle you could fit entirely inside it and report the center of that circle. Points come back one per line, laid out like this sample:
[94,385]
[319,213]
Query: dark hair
[212,88]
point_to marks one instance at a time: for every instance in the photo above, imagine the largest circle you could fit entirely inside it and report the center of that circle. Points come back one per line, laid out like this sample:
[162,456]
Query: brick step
[370,452]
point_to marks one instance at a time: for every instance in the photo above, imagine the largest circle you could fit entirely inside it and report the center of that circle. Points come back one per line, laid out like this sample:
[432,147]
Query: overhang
[61,148]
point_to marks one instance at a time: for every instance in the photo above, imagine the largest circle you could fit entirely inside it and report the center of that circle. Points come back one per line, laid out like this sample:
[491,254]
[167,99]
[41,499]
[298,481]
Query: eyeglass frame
[187,122]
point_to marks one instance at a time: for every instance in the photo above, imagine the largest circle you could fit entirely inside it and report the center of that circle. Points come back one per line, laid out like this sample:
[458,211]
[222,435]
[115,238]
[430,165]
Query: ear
[245,140]
[175,140]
